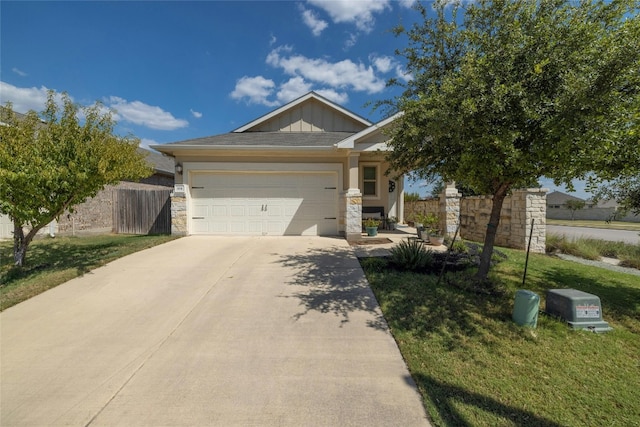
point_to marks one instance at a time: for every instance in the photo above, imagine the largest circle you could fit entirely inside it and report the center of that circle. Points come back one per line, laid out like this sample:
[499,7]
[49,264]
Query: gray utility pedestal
[580,309]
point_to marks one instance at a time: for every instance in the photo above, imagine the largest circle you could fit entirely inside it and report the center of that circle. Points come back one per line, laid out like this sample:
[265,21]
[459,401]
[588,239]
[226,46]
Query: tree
[48,166]
[574,205]
[411,197]
[625,191]
[507,91]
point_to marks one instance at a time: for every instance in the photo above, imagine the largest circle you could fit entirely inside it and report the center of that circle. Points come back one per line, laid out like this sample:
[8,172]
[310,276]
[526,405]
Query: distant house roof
[4,112]
[560,198]
[161,164]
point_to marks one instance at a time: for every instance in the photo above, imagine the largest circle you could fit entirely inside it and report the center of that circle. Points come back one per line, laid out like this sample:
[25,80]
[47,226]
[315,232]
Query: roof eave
[170,148]
[350,141]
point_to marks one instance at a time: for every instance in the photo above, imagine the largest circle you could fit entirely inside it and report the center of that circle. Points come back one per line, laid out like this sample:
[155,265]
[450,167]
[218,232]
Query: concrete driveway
[207,331]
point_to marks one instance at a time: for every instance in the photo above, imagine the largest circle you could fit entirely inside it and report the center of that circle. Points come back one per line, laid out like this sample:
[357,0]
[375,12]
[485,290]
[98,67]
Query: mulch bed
[370,241]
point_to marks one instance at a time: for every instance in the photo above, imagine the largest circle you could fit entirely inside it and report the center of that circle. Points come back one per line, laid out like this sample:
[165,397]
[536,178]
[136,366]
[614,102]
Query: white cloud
[358,12]
[403,74]
[196,114]
[332,80]
[25,98]
[146,142]
[139,113]
[384,64]
[407,3]
[33,98]
[272,40]
[292,89]
[315,24]
[342,74]
[335,96]
[255,90]
[19,72]
[351,41]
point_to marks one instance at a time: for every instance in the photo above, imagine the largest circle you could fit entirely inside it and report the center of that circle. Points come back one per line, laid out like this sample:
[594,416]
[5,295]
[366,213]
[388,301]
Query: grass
[475,367]
[614,225]
[628,254]
[51,262]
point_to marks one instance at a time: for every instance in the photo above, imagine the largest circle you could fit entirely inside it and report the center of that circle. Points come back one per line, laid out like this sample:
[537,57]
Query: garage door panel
[220,211]
[264,203]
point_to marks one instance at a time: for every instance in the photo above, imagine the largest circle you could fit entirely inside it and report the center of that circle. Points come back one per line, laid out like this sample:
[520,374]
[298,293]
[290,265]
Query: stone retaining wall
[518,211]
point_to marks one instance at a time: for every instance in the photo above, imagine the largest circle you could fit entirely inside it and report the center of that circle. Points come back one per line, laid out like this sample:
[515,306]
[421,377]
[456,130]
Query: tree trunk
[492,228]
[21,242]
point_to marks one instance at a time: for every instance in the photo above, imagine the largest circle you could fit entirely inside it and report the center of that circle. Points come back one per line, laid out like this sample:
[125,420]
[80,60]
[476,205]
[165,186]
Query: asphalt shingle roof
[270,139]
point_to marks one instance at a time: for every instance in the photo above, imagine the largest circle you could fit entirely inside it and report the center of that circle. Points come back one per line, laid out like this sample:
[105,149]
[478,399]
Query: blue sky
[179,70]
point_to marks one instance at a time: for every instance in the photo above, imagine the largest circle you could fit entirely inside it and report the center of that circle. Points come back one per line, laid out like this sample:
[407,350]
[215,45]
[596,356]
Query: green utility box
[579,309]
[525,308]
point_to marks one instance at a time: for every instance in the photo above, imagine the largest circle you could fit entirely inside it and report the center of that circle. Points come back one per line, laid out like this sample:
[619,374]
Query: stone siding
[420,207]
[178,214]
[353,215]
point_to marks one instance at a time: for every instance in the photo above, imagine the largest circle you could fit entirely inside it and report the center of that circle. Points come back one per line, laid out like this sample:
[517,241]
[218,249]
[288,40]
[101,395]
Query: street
[632,237]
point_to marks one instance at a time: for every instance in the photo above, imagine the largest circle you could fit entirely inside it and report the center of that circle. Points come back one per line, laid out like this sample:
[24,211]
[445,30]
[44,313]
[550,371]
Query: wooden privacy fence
[142,211]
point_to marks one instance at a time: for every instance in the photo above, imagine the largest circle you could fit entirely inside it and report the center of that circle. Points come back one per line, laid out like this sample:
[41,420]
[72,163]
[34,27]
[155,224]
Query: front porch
[365,246]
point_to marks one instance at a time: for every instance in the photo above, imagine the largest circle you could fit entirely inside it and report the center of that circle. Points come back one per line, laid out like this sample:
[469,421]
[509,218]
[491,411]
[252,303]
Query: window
[369,181]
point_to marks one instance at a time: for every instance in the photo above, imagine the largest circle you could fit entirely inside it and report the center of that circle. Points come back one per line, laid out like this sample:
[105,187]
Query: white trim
[260,167]
[172,148]
[351,141]
[295,102]
[361,167]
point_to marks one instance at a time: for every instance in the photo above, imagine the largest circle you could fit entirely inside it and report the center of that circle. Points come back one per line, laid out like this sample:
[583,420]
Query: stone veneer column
[449,209]
[179,211]
[533,201]
[353,214]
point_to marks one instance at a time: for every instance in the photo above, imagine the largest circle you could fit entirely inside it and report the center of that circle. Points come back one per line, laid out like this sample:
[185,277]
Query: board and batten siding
[310,117]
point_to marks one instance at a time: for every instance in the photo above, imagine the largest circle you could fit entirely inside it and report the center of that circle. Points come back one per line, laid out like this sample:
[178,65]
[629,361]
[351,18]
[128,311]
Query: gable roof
[371,130]
[253,125]
[560,198]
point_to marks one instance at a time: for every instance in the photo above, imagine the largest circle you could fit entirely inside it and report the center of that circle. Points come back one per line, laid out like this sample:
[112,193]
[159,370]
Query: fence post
[449,209]
[179,210]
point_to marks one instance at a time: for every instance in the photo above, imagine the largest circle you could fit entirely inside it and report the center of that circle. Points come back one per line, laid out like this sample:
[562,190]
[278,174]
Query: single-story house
[558,200]
[604,210]
[310,167]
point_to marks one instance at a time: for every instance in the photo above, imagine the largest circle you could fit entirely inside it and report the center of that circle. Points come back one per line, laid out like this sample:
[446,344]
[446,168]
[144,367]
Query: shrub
[370,222]
[374,264]
[411,255]
[460,247]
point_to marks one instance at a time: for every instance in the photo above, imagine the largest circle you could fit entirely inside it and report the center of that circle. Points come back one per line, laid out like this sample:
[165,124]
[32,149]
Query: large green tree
[507,91]
[625,191]
[52,162]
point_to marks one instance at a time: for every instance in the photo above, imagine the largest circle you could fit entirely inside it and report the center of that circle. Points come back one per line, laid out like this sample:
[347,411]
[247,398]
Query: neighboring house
[309,167]
[603,211]
[558,200]
[96,215]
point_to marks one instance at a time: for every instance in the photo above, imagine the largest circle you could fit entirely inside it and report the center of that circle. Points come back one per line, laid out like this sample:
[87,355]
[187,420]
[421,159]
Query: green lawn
[475,367]
[51,262]
[614,225]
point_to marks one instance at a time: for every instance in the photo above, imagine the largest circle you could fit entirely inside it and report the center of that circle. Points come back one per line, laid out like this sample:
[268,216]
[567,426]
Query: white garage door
[264,203]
